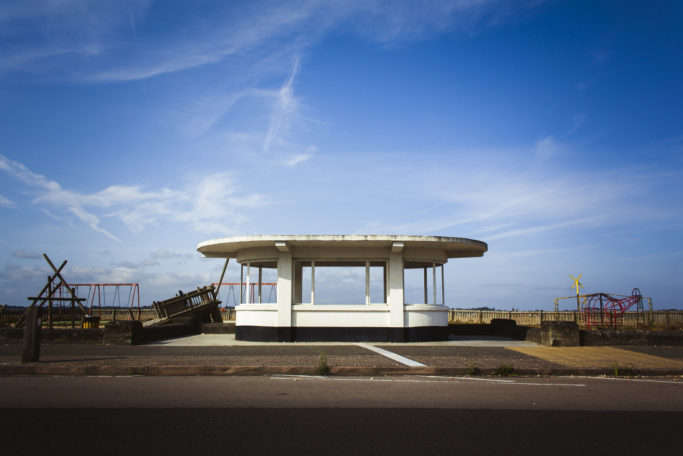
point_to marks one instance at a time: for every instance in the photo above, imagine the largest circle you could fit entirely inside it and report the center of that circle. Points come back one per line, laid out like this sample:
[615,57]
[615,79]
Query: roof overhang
[453,247]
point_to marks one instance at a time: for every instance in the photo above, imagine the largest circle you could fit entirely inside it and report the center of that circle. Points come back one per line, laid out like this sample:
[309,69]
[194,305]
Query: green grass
[624,371]
[323,368]
[504,370]
[472,369]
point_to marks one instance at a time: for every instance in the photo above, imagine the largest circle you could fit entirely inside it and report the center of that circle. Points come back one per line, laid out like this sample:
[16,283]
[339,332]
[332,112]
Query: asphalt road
[303,415]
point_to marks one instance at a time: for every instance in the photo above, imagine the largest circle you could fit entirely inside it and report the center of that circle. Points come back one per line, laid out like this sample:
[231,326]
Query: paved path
[228,340]
[600,357]
[445,358]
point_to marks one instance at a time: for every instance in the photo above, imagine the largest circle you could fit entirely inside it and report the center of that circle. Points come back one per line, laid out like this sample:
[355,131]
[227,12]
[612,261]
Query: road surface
[335,415]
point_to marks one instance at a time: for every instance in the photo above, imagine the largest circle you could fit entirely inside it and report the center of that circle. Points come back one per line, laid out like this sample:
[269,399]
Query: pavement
[221,354]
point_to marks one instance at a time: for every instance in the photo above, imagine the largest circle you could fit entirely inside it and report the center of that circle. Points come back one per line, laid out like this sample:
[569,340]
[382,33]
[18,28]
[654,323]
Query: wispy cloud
[15,272]
[26,255]
[52,191]
[210,205]
[5,202]
[547,147]
[83,33]
[285,107]
[165,254]
[551,146]
[522,202]
[300,158]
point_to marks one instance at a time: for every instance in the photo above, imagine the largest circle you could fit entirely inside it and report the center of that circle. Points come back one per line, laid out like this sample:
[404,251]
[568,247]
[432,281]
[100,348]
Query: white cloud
[88,34]
[577,122]
[285,108]
[519,201]
[547,147]
[13,272]
[5,202]
[298,158]
[26,255]
[51,190]
[165,254]
[211,205]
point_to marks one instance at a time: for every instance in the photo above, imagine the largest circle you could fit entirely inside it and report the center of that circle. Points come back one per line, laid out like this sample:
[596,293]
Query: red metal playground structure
[607,310]
[259,292]
[103,295]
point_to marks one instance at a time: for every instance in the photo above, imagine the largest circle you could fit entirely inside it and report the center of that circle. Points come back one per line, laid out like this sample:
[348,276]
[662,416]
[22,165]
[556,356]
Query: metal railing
[655,319]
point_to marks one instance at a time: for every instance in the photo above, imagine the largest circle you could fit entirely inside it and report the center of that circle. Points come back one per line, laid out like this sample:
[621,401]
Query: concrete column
[434,283]
[426,301]
[248,288]
[241,283]
[367,282]
[385,284]
[443,288]
[396,285]
[284,288]
[298,283]
[312,282]
[260,281]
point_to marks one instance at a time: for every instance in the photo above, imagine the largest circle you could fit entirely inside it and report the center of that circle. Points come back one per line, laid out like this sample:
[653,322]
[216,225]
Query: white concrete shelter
[383,315]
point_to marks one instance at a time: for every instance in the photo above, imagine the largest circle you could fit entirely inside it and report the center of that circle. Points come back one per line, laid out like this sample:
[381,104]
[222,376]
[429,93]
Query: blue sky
[132,130]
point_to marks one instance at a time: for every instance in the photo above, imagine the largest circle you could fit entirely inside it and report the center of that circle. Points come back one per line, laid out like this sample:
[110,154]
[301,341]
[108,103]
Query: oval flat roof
[453,246]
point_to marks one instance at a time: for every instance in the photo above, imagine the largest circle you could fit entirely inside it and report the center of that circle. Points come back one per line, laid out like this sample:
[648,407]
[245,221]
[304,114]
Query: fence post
[481,315]
[32,326]
[540,318]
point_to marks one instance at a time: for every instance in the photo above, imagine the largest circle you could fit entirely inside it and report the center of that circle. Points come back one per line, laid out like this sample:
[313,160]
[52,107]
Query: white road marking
[426,379]
[349,379]
[507,381]
[632,379]
[391,355]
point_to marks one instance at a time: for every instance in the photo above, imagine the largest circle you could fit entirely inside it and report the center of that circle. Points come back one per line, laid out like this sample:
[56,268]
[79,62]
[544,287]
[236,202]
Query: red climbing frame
[602,309]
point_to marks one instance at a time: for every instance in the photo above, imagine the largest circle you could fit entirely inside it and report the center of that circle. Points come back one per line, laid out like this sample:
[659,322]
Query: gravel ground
[93,355]
[294,355]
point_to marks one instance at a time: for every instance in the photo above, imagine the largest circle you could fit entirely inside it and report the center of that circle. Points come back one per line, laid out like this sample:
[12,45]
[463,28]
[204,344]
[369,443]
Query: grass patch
[624,371]
[472,369]
[323,368]
[504,370]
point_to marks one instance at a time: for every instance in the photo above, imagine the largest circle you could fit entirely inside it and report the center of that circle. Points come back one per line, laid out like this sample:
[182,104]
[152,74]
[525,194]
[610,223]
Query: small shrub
[624,371]
[323,368]
[472,369]
[504,370]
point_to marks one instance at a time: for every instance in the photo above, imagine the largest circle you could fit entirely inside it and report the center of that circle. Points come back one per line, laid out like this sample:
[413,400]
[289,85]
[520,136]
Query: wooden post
[220,281]
[49,303]
[32,326]
[651,321]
